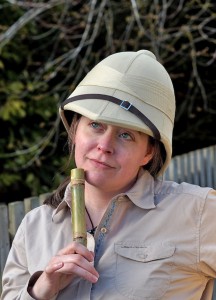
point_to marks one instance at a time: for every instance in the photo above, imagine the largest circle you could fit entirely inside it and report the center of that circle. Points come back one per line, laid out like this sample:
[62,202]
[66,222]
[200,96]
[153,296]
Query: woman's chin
[96,179]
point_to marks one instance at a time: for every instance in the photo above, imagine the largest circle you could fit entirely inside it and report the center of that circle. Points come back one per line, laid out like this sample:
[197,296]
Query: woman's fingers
[53,267]
[77,248]
[74,259]
[80,268]
[73,264]
[70,262]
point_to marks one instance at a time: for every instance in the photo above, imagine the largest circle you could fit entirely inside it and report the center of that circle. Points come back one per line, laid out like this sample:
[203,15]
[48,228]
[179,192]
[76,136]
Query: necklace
[92,230]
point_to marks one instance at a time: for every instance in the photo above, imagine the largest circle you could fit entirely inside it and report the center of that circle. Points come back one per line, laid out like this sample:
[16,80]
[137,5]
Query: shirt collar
[141,194]
[65,203]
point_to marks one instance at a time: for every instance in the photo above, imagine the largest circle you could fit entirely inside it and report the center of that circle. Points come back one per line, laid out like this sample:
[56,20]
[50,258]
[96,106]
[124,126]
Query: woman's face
[111,156]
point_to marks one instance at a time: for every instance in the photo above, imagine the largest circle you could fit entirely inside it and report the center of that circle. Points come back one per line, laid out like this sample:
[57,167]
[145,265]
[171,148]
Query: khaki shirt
[157,241]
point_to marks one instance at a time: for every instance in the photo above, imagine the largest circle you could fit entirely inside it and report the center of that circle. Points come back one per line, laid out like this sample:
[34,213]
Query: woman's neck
[96,202]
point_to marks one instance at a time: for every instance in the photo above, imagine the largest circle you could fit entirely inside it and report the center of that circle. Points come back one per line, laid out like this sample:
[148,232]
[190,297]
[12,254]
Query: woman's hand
[74,260]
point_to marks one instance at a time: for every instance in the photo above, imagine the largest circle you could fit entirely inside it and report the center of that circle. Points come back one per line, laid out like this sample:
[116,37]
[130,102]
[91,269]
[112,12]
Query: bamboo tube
[78,206]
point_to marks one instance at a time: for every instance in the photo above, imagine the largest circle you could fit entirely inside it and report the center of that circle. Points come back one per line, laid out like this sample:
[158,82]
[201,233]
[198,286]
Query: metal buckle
[127,106]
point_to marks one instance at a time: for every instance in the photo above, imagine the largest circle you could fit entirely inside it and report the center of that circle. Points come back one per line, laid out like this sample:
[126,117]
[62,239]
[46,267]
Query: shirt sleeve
[207,236]
[16,277]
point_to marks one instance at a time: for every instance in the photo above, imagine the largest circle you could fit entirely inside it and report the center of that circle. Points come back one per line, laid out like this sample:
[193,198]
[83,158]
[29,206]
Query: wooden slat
[16,213]
[203,168]
[214,167]
[4,238]
[196,168]
[31,203]
[188,167]
[209,168]
[175,170]
[42,197]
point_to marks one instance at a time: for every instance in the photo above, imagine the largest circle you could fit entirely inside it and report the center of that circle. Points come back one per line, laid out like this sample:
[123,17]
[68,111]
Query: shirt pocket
[143,271]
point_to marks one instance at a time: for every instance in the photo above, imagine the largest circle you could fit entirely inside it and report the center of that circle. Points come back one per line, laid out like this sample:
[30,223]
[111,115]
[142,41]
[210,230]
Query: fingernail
[95,279]
[59,265]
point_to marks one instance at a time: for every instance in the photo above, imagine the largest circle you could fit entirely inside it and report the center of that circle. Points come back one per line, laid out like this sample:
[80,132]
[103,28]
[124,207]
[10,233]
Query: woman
[147,238]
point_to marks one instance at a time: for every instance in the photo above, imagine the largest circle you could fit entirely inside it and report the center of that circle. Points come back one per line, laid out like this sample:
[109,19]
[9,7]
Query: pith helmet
[131,90]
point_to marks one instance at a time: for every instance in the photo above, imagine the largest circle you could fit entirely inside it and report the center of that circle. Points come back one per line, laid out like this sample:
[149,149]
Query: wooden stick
[78,206]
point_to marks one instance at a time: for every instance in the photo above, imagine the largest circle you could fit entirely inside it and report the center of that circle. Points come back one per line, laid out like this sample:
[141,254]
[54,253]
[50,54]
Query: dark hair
[153,166]
[158,159]
[56,197]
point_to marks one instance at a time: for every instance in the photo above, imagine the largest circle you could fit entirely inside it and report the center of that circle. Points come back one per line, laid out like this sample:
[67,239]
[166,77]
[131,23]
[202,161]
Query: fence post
[4,238]
[16,214]
[43,197]
[30,203]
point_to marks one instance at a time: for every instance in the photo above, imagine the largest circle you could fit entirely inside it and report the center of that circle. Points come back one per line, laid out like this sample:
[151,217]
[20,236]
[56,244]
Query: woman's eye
[95,125]
[126,136]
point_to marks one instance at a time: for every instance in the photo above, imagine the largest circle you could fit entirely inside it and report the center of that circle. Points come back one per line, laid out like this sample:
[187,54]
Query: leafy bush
[47,47]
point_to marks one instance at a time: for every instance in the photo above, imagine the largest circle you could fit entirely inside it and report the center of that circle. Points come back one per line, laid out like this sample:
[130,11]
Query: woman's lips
[101,163]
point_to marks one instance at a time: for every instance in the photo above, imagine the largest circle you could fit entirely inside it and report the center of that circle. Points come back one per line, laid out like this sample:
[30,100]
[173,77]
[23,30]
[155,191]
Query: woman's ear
[149,154]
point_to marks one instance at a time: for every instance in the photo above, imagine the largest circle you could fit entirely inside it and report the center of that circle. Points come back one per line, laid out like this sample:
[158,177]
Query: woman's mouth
[101,164]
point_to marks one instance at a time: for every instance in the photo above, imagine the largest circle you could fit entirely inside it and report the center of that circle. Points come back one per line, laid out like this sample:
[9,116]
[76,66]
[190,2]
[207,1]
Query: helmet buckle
[125,104]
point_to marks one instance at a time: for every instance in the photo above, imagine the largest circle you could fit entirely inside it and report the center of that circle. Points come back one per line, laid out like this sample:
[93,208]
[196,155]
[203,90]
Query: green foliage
[47,47]
[12,108]
[8,179]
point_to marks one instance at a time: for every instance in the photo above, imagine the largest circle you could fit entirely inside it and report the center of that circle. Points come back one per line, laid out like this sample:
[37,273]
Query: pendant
[92,231]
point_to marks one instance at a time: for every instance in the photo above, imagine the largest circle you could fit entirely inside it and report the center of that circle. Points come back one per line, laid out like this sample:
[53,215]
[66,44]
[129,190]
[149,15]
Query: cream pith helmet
[131,90]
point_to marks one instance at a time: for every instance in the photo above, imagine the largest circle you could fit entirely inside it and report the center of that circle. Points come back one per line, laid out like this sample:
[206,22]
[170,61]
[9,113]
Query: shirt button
[103,230]
[142,256]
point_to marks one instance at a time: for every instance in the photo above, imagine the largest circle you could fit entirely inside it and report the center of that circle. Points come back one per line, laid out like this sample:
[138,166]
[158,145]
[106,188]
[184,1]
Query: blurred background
[47,47]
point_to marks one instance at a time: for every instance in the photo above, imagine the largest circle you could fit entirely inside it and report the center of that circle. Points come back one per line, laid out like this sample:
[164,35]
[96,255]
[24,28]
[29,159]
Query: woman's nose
[106,143]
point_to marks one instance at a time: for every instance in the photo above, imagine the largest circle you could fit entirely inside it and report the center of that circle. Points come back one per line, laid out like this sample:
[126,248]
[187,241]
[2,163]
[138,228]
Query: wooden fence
[197,167]
[11,216]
